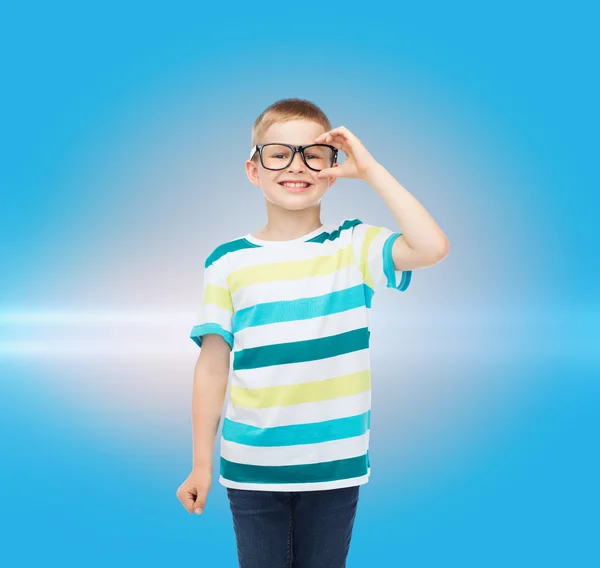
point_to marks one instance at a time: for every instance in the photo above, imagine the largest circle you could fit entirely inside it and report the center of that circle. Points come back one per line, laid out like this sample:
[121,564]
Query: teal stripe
[294,434]
[388,266]
[303,308]
[300,351]
[230,246]
[325,236]
[242,243]
[304,473]
[199,330]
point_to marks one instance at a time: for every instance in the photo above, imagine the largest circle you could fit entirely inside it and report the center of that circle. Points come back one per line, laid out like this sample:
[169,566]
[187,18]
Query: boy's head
[296,122]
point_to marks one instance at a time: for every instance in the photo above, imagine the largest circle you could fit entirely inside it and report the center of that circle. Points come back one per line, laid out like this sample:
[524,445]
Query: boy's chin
[313,189]
[294,202]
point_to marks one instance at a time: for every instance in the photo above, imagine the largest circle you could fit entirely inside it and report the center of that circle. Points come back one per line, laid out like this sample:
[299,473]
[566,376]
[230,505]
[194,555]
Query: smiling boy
[292,301]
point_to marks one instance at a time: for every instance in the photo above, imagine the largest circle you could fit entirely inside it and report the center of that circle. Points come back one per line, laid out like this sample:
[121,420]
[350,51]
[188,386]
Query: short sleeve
[373,253]
[216,308]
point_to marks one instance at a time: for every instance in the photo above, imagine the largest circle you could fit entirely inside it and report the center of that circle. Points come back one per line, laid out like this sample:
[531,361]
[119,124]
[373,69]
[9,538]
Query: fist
[193,491]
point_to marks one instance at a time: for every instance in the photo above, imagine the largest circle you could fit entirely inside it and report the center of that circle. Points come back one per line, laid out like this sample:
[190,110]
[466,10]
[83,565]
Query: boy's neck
[289,225]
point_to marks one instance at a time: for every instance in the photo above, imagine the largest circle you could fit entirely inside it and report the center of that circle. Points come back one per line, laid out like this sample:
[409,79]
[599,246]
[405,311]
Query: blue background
[124,131]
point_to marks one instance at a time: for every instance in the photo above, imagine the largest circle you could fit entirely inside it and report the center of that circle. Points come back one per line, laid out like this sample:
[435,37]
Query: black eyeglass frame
[301,149]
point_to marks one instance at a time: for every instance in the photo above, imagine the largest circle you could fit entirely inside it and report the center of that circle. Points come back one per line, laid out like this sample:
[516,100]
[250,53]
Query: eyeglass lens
[277,157]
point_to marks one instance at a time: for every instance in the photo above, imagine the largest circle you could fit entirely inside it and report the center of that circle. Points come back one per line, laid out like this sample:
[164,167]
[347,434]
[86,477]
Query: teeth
[287,184]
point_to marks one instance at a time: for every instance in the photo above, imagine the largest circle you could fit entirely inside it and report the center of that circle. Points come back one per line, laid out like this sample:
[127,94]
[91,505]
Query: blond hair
[284,110]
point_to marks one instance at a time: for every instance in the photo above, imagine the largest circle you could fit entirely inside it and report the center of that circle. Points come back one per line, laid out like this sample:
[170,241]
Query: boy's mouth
[295,186]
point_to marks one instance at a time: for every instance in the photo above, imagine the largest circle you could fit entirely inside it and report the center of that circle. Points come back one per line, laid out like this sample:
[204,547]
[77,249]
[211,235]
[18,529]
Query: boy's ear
[252,173]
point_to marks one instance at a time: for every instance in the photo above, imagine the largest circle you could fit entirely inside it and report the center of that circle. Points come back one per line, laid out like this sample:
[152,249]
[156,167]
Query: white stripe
[295,455]
[213,276]
[303,371]
[243,258]
[210,313]
[358,238]
[304,413]
[302,329]
[299,250]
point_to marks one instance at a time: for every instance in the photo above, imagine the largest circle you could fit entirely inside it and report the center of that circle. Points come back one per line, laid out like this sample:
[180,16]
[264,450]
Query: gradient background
[124,131]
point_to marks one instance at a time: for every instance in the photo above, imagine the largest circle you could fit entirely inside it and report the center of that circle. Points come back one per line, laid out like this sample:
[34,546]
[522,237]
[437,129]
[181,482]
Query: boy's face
[299,132]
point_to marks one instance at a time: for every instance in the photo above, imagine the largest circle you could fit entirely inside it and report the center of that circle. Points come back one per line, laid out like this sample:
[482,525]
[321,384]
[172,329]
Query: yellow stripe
[313,391]
[218,296]
[291,270]
[370,235]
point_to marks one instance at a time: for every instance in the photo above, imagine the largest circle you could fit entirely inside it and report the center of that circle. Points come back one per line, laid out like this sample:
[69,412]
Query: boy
[292,301]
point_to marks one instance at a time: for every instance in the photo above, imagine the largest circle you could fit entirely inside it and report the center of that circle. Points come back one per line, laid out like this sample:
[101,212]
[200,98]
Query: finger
[200,502]
[330,135]
[330,172]
[339,141]
[346,148]
[187,499]
[342,133]
[337,144]
[344,143]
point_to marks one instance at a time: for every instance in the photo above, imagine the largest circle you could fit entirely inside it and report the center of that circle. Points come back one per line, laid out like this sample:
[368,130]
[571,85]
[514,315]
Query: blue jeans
[305,529]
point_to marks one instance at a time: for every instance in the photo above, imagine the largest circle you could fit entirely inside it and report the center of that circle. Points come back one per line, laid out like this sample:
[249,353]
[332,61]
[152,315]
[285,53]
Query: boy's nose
[297,163]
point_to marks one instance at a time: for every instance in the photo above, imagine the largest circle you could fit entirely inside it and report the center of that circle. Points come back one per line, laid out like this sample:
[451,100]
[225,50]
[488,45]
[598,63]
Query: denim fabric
[305,529]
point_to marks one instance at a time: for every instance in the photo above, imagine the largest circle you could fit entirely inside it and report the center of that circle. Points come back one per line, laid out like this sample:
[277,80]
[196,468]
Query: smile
[295,186]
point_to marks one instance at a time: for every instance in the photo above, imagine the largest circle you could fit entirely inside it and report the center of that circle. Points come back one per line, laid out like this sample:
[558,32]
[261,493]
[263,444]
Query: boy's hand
[193,491]
[358,161]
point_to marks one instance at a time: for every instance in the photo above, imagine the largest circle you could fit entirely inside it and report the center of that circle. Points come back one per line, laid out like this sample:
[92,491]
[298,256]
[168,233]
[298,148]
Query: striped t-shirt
[296,315]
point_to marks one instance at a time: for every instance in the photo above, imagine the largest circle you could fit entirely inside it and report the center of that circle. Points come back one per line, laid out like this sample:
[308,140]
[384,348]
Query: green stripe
[203,329]
[389,269]
[304,473]
[300,351]
[223,249]
[242,243]
[325,236]
[294,434]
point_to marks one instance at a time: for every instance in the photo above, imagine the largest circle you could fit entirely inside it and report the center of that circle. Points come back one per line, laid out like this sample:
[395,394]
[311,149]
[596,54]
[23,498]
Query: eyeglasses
[279,156]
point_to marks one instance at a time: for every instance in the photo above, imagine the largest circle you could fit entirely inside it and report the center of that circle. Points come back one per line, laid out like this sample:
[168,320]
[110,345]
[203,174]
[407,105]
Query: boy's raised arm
[211,374]
[422,242]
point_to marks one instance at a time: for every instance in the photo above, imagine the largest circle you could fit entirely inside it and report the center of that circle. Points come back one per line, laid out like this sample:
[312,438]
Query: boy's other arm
[211,374]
